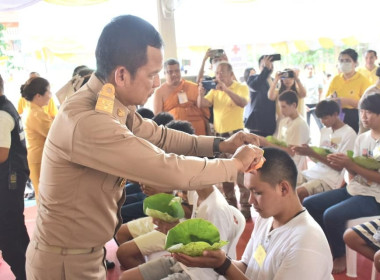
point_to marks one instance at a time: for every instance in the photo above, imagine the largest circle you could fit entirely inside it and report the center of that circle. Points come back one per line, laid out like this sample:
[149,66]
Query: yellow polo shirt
[370,75]
[50,109]
[352,88]
[227,115]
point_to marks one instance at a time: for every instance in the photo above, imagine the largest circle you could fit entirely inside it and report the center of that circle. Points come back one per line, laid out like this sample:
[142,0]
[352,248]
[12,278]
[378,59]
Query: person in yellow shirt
[348,86]
[50,108]
[37,124]
[369,70]
[228,100]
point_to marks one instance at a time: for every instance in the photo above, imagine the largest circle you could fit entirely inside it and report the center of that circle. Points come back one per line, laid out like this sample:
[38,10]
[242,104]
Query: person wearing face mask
[348,86]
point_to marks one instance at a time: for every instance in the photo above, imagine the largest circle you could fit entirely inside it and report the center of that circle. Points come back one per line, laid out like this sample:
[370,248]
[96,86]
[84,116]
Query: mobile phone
[275,57]
[216,52]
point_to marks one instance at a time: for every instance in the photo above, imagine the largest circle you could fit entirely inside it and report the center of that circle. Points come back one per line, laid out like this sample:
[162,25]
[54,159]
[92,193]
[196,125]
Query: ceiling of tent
[64,28]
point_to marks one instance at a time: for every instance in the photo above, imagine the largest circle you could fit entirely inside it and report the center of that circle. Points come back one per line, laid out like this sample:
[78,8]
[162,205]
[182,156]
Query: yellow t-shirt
[227,115]
[50,109]
[37,125]
[370,75]
[352,88]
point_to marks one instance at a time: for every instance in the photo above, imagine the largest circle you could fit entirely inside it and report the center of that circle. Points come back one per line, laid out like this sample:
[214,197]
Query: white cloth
[312,85]
[216,210]
[338,141]
[296,250]
[7,124]
[365,145]
[295,132]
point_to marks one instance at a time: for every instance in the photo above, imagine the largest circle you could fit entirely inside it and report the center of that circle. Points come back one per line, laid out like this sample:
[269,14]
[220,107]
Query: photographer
[228,100]
[261,111]
[288,81]
[214,56]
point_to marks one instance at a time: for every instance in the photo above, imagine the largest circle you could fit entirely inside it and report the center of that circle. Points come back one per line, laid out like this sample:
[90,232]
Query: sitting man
[292,129]
[228,100]
[365,239]
[280,246]
[337,137]
[139,238]
[179,97]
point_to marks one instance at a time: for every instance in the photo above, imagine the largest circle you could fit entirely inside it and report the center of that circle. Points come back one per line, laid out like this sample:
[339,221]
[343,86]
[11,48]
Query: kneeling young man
[286,242]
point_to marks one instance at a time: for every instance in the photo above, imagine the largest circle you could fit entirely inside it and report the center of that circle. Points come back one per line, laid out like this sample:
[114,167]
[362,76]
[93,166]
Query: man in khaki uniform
[98,140]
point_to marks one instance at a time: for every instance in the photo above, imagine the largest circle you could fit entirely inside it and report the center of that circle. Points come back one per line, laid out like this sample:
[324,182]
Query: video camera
[209,84]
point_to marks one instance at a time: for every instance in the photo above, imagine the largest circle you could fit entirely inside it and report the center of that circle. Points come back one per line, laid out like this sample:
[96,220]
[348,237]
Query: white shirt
[295,132]
[296,250]
[216,210]
[365,145]
[312,85]
[7,124]
[338,141]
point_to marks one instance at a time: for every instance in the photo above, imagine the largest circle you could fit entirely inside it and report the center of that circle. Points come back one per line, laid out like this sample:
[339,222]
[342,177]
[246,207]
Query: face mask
[346,67]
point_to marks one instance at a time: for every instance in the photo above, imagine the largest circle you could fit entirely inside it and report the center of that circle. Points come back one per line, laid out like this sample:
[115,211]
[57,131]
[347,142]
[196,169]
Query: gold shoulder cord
[106,99]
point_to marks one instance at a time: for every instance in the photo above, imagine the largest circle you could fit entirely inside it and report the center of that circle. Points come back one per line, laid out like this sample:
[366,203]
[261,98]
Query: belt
[65,251]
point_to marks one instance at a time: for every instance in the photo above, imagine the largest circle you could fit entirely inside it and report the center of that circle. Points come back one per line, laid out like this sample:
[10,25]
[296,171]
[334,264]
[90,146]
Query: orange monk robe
[188,111]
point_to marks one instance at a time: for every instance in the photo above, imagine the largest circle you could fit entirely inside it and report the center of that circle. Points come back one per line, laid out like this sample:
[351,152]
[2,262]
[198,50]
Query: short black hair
[170,61]
[145,112]
[163,118]
[371,51]
[246,73]
[33,87]
[327,108]
[278,166]
[289,96]
[351,53]
[183,126]
[78,69]
[124,42]
[371,103]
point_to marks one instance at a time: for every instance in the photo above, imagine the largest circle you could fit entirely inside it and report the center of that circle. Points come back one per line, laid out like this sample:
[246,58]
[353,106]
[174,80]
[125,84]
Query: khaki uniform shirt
[88,152]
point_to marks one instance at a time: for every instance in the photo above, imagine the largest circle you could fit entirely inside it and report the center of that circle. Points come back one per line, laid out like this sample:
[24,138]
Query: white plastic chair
[351,255]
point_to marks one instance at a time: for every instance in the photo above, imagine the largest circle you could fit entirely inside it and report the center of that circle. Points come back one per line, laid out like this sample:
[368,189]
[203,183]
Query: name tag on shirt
[260,255]
[182,97]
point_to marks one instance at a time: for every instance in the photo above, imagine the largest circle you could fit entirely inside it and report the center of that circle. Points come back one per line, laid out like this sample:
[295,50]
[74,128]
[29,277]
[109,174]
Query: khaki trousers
[42,265]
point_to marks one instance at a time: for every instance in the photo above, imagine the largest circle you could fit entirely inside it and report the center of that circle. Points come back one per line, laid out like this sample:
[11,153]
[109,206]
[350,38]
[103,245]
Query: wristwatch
[223,268]
[215,145]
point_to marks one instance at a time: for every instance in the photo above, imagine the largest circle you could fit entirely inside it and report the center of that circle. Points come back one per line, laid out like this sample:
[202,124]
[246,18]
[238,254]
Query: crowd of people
[93,162]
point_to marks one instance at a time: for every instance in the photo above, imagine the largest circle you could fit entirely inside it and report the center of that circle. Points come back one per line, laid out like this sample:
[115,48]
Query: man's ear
[121,76]
[284,187]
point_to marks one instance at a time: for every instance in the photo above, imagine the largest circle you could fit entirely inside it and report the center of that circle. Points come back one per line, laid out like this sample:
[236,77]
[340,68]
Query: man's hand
[340,160]
[210,259]
[238,139]
[267,62]
[163,226]
[247,156]
[303,150]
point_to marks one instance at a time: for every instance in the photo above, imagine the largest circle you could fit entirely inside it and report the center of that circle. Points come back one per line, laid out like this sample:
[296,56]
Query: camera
[287,74]
[275,57]
[209,84]
[216,53]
